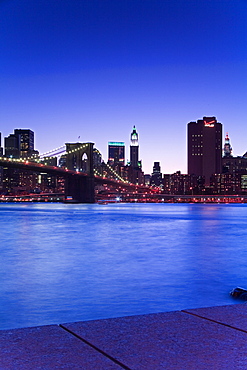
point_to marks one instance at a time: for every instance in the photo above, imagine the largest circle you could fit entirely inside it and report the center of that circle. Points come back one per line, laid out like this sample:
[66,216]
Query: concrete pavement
[206,338]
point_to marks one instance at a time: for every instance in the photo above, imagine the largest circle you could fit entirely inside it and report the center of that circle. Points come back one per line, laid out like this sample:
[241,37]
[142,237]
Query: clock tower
[134,148]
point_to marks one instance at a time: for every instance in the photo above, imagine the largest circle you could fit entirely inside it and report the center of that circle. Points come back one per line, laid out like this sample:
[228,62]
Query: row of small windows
[200,135]
[201,146]
[197,153]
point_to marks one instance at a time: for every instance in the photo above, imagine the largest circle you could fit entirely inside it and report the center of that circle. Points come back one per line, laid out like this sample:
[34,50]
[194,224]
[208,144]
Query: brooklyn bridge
[84,180]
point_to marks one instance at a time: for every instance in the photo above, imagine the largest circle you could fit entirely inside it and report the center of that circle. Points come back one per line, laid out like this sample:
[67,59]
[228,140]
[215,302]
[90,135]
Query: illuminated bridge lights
[114,180]
[53,150]
[47,156]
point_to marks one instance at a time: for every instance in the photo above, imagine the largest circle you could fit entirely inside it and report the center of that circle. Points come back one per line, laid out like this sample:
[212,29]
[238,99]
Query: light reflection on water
[62,263]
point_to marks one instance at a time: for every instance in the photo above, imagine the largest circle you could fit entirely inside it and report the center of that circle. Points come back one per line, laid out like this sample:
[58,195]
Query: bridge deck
[206,338]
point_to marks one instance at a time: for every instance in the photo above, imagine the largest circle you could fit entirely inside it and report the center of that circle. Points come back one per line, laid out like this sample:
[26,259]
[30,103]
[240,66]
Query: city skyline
[95,69]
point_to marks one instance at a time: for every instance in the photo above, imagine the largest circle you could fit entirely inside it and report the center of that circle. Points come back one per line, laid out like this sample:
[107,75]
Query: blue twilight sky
[95,68]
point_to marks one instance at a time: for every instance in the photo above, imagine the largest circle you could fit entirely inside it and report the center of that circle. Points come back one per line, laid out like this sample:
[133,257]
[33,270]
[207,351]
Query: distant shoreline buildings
[212,169]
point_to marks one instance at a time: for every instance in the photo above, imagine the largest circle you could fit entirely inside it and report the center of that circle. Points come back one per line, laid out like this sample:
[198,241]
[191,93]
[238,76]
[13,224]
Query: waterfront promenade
[205,338]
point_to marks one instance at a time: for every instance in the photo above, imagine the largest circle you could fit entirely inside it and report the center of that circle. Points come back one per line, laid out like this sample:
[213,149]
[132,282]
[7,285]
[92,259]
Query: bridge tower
[79,157]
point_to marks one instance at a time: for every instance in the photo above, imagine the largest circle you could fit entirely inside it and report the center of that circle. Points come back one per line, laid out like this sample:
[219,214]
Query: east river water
[63,262]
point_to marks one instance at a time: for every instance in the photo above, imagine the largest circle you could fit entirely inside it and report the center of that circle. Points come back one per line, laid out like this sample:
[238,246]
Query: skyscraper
[156,178]
[204,148]
[1,149]
[116,153]
[26,141]
[134,148]
[20,143]
[135,174]
[12,146]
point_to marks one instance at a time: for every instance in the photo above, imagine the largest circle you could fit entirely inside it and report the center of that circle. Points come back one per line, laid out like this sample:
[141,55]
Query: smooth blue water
[63,263]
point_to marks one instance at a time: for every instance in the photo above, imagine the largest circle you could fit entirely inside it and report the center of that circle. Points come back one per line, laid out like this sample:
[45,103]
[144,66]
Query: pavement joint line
[96,348]
[215,321]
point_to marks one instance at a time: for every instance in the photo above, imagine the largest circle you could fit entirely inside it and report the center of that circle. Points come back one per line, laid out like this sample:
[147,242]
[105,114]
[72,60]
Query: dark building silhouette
[205,148]
[12,146]
[1,149]
[20,144]
[26,142]
[62,161]
[97,158]
[156,177]
[147,179]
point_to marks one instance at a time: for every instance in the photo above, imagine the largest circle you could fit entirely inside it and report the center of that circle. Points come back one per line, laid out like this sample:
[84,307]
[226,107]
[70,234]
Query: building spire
[227,147]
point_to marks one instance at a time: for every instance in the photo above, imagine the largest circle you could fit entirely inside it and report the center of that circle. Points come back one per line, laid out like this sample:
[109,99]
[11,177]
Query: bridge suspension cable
[60,151]
[116,174]
[57,152]
[54,152]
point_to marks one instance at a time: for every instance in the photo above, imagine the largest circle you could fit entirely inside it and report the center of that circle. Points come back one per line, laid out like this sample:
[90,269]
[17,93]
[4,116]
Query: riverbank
[203,338]
[129,198]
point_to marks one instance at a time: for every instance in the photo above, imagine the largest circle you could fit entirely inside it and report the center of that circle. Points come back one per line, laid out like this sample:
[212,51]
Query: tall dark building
[135,174]
[156,178]
[26,141]
[19,144]
[116,153]
[205,148]
[12,146]
[134,148]
[1,149]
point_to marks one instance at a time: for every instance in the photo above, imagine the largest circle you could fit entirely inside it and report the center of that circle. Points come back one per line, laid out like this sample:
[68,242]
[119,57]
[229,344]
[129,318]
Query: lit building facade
[234,164]
[182,184]
[226,184]
[205,148]
[26,142]
[20,144]
[227,147]
[233,179]
[116,153]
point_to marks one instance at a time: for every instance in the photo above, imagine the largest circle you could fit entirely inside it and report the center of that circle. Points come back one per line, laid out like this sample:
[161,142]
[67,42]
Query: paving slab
[232,315]
[48,347]
[171,341]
